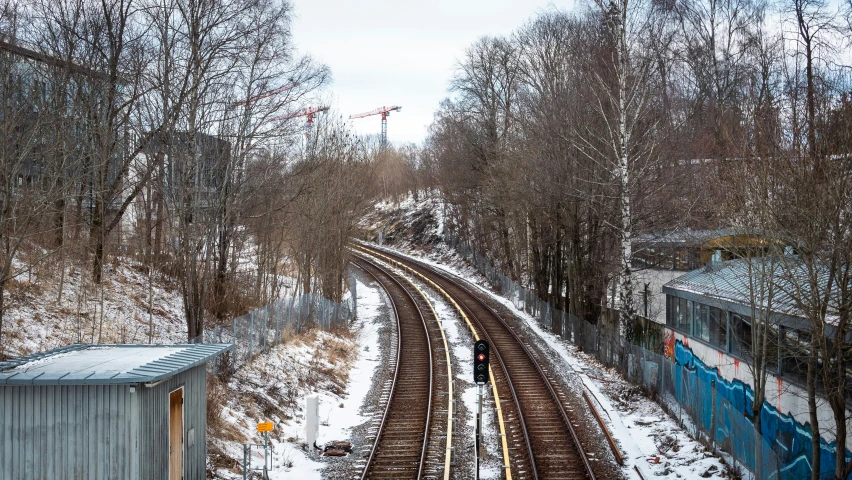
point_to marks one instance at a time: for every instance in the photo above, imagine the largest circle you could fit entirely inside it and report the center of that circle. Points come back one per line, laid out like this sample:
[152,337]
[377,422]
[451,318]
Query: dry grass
[329,367]
[20,289]
[217,398]
[276,396]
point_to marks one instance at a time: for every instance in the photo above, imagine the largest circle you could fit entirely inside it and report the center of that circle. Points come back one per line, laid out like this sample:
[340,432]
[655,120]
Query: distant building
[709,331]
[46,99]
[106,412]
[202,165]
[690,249]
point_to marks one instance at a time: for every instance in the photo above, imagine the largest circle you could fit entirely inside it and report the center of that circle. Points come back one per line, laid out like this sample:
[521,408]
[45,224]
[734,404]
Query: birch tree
[623,101]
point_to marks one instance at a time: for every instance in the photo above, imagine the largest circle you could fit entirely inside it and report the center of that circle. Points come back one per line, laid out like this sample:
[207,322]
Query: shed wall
[68,431]
[154,425]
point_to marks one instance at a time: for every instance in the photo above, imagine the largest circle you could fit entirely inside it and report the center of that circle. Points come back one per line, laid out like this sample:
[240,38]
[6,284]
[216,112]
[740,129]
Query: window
[745,337]
[683,315]
[741,339]
[719,329]
[670,311]
[702,322]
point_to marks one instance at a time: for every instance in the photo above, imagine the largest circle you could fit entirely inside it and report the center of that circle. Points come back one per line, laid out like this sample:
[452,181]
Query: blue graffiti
[785,451]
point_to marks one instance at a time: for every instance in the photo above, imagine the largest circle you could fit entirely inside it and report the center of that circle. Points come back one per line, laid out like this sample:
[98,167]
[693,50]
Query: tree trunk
[157,247]
[814,419]
[2,315]
[97,236]
[59,222]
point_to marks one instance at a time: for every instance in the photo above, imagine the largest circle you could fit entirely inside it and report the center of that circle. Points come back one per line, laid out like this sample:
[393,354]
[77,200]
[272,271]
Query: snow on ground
[38,319]
[275,385]
[648,437]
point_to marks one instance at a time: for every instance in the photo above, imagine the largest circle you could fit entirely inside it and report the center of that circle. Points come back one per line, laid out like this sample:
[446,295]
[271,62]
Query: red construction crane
[384,112]
[308,112]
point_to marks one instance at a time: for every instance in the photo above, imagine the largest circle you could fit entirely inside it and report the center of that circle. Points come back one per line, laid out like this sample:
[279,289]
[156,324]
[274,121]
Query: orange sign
[264,427]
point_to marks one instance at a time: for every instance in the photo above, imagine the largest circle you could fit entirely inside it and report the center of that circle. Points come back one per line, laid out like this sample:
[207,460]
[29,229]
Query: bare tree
[623,100]
[34,91]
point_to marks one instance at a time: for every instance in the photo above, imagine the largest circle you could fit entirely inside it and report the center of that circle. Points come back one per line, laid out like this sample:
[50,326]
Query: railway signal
[480,361]
[480,376]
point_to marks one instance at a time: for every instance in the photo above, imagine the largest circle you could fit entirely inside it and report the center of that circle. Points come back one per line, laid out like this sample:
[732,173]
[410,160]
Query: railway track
[541,441]
[414,437]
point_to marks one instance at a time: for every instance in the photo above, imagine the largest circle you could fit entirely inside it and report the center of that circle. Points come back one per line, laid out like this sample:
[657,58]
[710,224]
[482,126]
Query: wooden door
[176,435]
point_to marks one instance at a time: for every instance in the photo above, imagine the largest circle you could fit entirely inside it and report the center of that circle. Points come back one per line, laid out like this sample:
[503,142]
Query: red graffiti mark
[670,343]
[780,383]
[736,368]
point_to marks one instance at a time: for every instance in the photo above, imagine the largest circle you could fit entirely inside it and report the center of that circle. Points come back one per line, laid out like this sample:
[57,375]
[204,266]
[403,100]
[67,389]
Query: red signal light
[480,362]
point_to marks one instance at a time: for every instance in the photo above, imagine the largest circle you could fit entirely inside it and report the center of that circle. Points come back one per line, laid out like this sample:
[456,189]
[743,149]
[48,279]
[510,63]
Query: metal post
[354,294]
[234,341]
[265,455]
[251,334]
[245,462]
[478,428]
[713,415]
[218,337]
[266,328]
[290,311]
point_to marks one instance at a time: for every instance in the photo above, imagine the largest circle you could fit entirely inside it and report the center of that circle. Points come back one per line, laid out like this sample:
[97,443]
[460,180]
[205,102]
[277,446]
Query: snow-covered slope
[410,222]
[39,318]
[338,367]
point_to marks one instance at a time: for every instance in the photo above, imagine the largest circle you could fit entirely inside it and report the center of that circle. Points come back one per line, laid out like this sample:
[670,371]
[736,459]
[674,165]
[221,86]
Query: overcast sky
[384,52]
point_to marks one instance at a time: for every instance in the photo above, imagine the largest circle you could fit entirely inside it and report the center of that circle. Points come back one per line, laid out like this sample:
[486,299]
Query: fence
[688,393]
[260,329]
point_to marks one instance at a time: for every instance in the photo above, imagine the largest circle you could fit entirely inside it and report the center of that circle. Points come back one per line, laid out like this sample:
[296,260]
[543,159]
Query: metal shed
[106,412]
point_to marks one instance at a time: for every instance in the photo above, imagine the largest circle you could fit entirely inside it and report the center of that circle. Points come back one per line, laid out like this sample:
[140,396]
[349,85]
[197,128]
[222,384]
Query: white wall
[785,396]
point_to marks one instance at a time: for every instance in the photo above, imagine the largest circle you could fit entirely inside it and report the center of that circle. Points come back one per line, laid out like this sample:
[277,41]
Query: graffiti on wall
[724,408]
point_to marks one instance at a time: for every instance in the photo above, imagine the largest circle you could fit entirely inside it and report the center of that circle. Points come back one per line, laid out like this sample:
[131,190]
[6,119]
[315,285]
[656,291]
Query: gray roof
[741,280]
[98,364]
[690,237]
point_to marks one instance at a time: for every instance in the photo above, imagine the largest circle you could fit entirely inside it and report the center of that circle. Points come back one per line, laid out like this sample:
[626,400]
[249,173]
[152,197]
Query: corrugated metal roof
[689,237]
[86,364]
[741,280]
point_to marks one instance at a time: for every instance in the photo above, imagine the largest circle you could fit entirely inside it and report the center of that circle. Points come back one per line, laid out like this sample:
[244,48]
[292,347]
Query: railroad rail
[542,441]
[414,437]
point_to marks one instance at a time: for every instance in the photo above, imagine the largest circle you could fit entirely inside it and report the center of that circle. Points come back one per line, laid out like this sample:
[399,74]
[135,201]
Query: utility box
[106,412]
[312,419]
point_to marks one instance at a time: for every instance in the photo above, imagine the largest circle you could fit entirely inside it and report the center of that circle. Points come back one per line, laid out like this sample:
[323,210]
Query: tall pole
[384,129]
[309,130]
[265,455]
[478,429]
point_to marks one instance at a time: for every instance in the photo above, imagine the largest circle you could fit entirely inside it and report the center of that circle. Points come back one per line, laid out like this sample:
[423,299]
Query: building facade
[710,327]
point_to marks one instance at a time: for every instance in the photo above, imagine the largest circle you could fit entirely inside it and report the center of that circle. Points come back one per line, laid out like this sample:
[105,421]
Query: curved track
[409,442]
[542,440]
